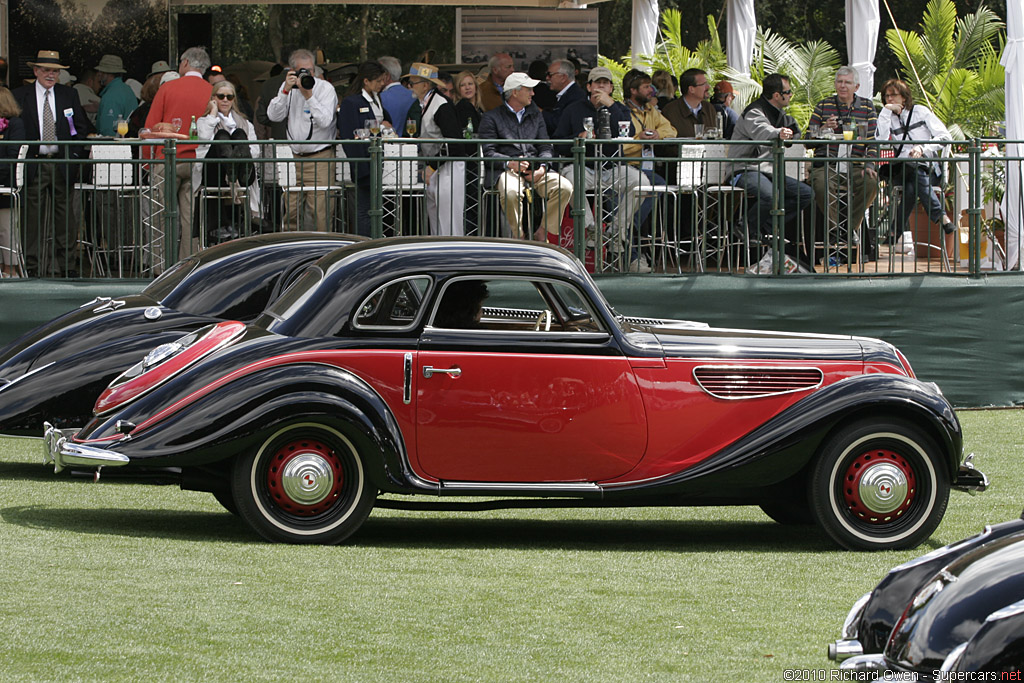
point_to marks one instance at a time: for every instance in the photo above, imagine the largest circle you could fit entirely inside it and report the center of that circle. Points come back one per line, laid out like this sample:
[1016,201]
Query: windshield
[297,294]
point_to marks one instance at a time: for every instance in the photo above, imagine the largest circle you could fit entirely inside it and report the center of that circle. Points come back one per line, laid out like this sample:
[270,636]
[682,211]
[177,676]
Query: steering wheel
[545,319]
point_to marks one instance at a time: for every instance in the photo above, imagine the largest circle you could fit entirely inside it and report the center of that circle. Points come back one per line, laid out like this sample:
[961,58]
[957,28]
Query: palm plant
[671,55]
[952,66]
[810,66]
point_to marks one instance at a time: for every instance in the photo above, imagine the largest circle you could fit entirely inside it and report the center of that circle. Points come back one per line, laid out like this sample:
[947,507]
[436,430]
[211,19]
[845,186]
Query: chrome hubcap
[307,479]
[883,488]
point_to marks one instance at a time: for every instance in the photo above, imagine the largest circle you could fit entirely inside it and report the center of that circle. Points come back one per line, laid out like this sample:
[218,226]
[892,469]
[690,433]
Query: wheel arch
[234,417]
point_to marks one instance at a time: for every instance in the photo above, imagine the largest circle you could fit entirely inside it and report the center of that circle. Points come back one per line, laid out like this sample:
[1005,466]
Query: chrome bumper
[58,449]
[969,478]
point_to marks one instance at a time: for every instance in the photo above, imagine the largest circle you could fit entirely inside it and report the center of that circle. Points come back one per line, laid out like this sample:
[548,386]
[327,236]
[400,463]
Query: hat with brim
[600,72]
[110,64]
[49,58]
[65,77]
[160,67]
[425,71]
[518,79]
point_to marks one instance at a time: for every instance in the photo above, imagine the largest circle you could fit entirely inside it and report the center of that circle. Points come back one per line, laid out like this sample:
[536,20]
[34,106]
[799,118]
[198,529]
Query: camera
[305,79]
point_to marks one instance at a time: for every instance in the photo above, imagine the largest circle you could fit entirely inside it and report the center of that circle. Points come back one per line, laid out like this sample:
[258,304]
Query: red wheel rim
[305,478]
[879,486]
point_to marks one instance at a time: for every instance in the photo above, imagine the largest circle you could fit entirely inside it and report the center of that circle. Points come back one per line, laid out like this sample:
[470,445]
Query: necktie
[49,129]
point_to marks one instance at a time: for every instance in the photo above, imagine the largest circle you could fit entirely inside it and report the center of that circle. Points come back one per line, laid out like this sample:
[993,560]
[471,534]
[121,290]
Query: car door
[535,391]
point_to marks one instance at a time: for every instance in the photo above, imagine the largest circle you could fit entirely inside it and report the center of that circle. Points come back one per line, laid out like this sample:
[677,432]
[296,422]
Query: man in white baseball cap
[522,167]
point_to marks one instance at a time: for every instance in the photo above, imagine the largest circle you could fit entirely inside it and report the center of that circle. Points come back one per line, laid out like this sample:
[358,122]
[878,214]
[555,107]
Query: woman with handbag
[227,166]
[914,131]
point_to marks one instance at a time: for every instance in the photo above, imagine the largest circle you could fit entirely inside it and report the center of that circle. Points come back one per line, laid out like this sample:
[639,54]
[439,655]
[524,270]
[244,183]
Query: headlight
[163,363]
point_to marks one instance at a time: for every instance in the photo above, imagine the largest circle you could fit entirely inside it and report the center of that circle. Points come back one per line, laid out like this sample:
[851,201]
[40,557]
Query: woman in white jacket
[225,121]
[914,130]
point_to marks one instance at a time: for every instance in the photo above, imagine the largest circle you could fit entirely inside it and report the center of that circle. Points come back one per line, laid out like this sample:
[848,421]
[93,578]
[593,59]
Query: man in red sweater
[183,98]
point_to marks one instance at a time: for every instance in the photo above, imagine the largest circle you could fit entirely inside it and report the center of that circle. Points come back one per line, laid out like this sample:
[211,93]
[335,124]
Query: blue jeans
[917,185]
[797,196]
[647,204]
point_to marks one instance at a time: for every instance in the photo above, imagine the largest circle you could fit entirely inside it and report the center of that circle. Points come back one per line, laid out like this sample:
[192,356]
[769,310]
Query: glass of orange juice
[122,127]
[847,131]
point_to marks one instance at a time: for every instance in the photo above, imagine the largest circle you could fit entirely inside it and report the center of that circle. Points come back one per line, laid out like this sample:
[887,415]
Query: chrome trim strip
[757,368]
[61,452]
[572,487]
[11,383]
[407,379]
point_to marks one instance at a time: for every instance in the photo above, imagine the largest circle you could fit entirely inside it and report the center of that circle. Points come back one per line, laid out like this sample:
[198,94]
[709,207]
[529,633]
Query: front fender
[205,428]
[784,444]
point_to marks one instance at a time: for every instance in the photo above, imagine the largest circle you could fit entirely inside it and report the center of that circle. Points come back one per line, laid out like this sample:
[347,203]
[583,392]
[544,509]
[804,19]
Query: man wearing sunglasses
[766,119]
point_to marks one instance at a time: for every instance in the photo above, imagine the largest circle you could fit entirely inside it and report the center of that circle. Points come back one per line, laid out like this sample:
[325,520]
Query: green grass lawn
[127,582]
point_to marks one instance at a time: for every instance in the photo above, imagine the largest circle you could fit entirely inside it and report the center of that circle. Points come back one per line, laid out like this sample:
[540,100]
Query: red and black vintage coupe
[397,370]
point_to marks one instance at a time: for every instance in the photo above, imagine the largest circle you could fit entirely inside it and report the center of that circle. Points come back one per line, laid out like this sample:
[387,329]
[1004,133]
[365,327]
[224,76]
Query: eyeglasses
[225,96]
[551,73]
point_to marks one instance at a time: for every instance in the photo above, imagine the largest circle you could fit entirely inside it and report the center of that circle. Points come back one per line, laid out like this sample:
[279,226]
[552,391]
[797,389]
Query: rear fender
[236,416]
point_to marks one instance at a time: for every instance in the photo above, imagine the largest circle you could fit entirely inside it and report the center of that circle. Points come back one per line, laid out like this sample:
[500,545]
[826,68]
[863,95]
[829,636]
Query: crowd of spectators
[500,105]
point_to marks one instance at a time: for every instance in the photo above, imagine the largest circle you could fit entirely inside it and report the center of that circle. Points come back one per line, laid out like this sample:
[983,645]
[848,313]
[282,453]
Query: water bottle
[193,131]
[467,132]
[604,124]
[721,125]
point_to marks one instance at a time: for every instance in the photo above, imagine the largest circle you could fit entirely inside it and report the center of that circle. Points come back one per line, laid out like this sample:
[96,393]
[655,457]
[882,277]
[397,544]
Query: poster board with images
[527,35]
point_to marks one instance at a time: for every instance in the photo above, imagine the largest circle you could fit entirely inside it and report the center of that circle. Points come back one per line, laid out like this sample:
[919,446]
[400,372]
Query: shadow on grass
[597,535]
[169,524]
[444,532]
[33,471]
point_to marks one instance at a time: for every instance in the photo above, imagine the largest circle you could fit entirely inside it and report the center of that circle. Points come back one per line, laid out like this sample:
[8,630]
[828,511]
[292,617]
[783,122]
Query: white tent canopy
[740,30]
[862,24]
[1013,62]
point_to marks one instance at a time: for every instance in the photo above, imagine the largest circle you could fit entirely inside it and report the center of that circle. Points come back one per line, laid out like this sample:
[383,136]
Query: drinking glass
[176,122]
[362,133]
[588,126]
[410,128]
[698,131]
[848,131]
[122,127]
[813,131]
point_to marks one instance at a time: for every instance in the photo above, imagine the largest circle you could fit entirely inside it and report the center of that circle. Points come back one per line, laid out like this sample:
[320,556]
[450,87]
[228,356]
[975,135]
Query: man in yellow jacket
[649,124]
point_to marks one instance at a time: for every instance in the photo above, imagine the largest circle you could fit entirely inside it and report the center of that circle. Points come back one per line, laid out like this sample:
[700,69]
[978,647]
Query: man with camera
[308,105]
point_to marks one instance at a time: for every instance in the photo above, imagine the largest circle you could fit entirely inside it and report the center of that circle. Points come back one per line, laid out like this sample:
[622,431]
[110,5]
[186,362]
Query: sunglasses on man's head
[225,96]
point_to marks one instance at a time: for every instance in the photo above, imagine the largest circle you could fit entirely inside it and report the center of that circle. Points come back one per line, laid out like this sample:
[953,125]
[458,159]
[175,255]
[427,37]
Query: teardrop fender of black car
[956,603]
[786,443]
[891,595]
[63,390]
[236,415]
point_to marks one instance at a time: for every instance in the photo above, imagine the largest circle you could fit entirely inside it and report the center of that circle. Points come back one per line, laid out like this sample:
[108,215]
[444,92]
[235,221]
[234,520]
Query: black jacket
[501,124]
[65,101]
[552,116]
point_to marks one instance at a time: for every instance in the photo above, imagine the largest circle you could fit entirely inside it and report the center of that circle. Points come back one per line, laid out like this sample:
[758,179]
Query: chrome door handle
[428,371]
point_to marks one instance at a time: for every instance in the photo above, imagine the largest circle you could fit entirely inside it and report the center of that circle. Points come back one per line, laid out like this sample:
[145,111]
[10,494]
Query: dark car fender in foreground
[55,371]
[958,609]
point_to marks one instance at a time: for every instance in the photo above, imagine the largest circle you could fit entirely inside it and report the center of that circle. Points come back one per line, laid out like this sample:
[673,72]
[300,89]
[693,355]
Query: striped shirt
[861,111]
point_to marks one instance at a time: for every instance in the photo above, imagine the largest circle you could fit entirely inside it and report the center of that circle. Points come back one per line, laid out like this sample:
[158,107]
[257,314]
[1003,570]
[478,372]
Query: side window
[394,306]
[514,304]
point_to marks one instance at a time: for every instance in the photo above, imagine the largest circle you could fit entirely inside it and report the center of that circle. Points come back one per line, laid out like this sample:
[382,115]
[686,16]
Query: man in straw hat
[446,180]
[117,101]
[51,113]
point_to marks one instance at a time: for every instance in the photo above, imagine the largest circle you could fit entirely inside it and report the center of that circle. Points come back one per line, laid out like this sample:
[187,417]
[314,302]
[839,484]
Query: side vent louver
[755,382]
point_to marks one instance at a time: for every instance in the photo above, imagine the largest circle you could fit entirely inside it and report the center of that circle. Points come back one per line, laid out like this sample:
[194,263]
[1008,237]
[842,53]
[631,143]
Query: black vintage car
[956,610]
[55,371]
[405,370]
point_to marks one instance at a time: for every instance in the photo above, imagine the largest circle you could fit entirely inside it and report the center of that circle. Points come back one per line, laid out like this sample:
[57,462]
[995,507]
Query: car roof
[447,254]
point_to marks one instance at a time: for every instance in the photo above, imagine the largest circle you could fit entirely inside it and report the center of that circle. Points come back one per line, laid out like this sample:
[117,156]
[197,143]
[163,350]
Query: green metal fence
[109,209]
